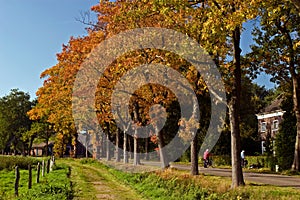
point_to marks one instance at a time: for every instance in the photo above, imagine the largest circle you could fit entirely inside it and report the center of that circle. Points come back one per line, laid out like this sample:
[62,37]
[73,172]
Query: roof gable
[274,106]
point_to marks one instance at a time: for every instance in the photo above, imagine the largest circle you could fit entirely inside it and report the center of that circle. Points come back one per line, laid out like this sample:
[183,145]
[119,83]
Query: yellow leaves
[296,45]
[188,128]
[286,59]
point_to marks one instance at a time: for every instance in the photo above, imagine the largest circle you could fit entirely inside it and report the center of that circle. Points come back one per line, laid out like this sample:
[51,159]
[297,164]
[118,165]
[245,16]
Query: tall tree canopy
[276,51]
[216,25]
[55,97]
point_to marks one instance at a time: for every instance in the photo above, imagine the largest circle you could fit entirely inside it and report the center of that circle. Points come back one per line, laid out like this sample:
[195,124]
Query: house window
[263,127]
[275,125]
[263,147]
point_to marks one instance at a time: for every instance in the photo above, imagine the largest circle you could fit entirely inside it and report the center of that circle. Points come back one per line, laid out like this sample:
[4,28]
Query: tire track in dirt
[98,183]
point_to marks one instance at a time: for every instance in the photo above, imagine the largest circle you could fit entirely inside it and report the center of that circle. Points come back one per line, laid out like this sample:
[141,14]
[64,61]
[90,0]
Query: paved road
[269,179]
[259,178]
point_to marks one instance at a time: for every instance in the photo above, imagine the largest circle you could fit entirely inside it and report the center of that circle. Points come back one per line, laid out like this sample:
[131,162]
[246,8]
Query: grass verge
[174,184]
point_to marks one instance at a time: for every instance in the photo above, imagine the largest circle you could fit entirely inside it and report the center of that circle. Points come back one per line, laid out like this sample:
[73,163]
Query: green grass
[174,184]
[55,185]
[91,181]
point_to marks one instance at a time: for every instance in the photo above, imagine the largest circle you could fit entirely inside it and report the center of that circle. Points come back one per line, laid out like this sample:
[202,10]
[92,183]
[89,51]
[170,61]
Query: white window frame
[275,128]
[263,124]
[263,148]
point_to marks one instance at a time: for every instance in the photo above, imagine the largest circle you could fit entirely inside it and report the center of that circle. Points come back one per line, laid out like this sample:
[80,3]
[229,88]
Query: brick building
[268,121]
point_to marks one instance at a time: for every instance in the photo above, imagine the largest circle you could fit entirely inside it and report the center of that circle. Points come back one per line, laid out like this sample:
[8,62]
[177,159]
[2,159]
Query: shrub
[222,160]
[9,162]
[88,161]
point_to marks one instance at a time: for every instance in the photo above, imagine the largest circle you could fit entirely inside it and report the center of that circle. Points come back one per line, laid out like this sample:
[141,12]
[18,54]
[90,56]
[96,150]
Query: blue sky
[32,33]
[246,41]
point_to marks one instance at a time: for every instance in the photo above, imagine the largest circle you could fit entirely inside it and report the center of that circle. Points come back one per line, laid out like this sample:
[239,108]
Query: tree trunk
[162,154]
[135,150]
[47,146]
[295,166]
[296,100]
[30,145]
[108,157]
[129,139]
[136,160]
[125,160]
[23,149]
[86,145]
[194,156]
[102,145]
[98,145]
[146,148]
[194,143]
[75,145]
[234,110]
[117,146]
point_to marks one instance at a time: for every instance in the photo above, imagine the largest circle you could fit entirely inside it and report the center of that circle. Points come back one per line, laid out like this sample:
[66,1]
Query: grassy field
[87,179]
[55,185]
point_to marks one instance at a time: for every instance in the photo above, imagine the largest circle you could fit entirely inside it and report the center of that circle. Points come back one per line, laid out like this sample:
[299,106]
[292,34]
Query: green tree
[276,51]
[14,121]
[287,131]
[252,101]
[41,131]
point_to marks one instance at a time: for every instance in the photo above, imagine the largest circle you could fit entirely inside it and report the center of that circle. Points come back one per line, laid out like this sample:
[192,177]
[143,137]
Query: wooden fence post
[38,172]
[30,176]
[17,181]
[53,159]
[51,165]
[48,166]
[43,168]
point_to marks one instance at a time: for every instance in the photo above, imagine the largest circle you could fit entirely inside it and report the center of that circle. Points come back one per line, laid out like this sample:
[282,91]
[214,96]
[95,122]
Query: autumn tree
[296,4]
[276,51]
[217,26]
[55,96]
[118,21]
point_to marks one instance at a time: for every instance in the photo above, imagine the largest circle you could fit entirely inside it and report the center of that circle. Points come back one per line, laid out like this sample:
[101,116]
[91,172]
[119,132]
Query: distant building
[269,119]
[41,149]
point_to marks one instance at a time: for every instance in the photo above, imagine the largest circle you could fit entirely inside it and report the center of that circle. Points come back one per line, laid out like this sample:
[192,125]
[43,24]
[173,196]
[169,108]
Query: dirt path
[97,183]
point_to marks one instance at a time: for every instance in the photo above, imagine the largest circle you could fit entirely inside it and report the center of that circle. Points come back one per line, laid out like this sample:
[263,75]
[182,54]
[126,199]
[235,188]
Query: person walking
[206,158]
[243,158]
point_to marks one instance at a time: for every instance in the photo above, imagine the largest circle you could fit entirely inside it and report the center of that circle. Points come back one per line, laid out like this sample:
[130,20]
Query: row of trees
[217,26]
